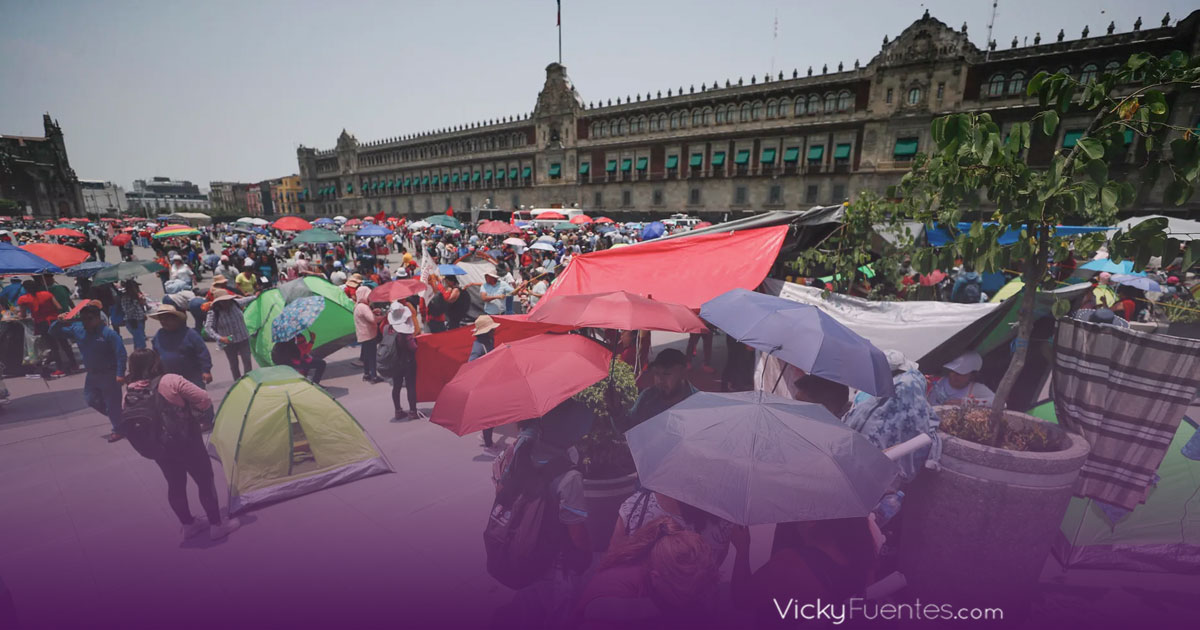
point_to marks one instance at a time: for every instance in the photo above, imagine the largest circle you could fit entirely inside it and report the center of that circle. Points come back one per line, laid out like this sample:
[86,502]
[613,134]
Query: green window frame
[475,176]
[672,161]
[1071,137]
[499,174]
[584,167]
[626,165]
[408,182]
[642,163]
[512,173]
[362,187]
[718,158]
[816,152]
[611,167]
[437,179]
[425,181]
[526,172]
[767,157]
[791,154]
[742,158]
[696,161]
[555,169]
[454,178]
[841,152]
[487,175]
[349,188]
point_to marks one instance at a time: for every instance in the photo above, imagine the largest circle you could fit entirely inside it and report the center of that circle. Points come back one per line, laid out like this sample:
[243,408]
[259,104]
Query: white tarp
[913,328]
[1178,229]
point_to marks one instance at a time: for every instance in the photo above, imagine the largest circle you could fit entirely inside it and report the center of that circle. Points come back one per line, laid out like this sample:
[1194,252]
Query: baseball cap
[967,363]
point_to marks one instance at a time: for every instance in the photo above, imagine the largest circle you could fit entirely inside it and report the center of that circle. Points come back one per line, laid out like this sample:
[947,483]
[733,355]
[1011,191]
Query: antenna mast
[991,23]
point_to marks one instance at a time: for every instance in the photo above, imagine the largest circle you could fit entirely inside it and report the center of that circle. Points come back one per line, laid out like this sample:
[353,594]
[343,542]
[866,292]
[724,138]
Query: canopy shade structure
[718,158]
[767,157]
[905,147]
[937,236]
[583,168]
[841,152]
[696,160]
[526,172]
[792,154]
[59,255]
[555,169]
[642,163]
[512,173]
[1071,137]
[679,271]
[14,260]
[672,161]
[742,158]
[1178,229]
[816,152]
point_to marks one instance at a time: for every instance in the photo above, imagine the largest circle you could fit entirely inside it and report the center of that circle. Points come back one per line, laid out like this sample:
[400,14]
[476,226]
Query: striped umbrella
[176,230]
[61,255]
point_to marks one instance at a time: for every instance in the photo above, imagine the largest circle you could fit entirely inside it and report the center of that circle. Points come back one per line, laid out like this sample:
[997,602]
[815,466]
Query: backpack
[438,305]
[970,293]
[151,424]
[388,353]
[523,536]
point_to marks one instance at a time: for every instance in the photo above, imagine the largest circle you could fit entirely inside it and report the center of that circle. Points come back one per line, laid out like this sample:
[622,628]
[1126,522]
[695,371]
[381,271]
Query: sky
[226,90]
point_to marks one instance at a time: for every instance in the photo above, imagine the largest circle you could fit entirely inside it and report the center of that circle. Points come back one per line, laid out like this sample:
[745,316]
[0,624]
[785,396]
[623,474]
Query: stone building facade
[36,174]
[722,151]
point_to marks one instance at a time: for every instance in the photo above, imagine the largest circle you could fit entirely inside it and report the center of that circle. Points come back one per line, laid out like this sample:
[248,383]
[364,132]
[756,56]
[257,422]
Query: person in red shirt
[40,305]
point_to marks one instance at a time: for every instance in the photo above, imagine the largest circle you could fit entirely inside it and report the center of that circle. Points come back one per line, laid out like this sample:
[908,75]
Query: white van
[531,215]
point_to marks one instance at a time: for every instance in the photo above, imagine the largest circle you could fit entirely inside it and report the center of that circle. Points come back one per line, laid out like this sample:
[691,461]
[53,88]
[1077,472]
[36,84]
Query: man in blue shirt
[670,387]
[13,291]
[103,357]
[494,293]
[180,348]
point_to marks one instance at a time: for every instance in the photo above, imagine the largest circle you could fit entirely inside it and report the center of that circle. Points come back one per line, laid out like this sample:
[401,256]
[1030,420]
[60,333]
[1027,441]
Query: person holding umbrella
[181,349]
[670,387]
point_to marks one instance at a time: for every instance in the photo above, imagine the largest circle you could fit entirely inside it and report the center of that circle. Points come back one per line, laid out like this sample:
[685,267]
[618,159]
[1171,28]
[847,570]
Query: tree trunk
[1035,269]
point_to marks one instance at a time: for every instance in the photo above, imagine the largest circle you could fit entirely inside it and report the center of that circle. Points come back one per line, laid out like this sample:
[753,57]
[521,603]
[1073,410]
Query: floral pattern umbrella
[297,317]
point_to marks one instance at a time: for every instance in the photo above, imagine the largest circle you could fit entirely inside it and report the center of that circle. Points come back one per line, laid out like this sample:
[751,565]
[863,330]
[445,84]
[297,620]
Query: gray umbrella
[754,458]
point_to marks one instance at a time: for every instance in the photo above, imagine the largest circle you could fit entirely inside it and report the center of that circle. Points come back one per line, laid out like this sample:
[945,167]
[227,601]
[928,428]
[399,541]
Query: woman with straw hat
[227,325]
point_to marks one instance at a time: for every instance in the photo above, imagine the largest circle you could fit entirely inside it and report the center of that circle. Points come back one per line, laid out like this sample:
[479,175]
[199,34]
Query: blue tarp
[937,236]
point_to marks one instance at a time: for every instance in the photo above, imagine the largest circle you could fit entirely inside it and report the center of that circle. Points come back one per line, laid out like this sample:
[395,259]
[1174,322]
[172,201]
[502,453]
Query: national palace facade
[788,141]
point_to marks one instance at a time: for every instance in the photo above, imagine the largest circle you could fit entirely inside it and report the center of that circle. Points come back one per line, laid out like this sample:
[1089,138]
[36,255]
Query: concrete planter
[604,497]
[978,531]
[1190,330]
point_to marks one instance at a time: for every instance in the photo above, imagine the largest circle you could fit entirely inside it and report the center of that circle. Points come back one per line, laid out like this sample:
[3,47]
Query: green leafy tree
[857,251]
[973,166]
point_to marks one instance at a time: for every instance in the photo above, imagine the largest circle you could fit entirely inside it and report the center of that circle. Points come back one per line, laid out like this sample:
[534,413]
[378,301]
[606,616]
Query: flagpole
[560,32]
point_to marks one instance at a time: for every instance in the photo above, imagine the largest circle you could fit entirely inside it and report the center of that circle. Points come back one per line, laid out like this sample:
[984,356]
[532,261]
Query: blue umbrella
[543,246]
[1136,281]
[87,269]
[451,270]
[753,458]
[258,230]
[1105,264]
[14,260]
[372,230]
[297,317]
[653,230]
[605,229]
[802,335]
[324,221]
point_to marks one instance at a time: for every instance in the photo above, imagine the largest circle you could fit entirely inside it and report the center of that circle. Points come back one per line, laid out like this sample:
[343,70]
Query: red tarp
[439,355]
[688,271]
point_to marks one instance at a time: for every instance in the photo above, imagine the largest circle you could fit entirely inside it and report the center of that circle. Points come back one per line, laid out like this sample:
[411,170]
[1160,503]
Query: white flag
[428,270]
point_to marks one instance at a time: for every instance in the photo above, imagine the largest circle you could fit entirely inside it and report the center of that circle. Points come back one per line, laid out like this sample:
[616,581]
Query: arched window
[721,115]
[756,111]
[592,130]
[708,116]
[697,117]
[604,130]
[996,85]
[843,100]
[785,106]
[643,125]
[772,108]
[914,96]
[683,120]
[1111,67]
[745,116]
[814,104]
[675,120]
[1065,70]
[799,109]
[1089,73]
[1016,83]
[830,102]
[662,122]
[620,128]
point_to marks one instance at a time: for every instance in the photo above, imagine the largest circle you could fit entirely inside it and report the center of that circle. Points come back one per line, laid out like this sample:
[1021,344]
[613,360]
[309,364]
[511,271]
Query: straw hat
[484,324]
[221,295]
[400,318]
[354,280]
[167,309]
[219,279]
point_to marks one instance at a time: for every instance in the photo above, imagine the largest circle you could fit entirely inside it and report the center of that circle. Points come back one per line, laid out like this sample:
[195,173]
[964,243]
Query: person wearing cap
[670,387]
[226,323]
[103,358]
[484,339]
[959,386]
[181,349]
[400,329]
[247,280]
[181,271]
[225,269]
[494,293]
[338,277]
[133,310]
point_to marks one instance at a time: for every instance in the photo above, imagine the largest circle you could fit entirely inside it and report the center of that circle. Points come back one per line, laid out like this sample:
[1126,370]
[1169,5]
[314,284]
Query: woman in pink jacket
[366,331]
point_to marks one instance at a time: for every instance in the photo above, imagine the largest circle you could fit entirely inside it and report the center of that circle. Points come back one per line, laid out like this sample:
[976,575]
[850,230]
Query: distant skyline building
[102,197]
[163,195]
[36,174]
[788,140]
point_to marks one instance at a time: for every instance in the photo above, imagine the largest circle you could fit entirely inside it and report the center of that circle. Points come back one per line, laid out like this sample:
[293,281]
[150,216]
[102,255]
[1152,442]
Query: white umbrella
[245,220]
[339,218]
[258,221]
[543,246]
[418,225]
[515,242]
[545,239]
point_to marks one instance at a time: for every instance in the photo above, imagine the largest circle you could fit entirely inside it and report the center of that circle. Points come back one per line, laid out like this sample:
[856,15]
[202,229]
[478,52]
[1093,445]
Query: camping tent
[1160,535]
[279,436]
[334,328]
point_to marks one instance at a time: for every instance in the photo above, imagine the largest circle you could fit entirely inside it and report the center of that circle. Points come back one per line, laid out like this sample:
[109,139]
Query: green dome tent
[278,436]
[334,328]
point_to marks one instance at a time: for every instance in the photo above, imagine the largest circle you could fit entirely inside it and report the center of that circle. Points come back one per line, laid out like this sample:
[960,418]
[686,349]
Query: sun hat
[354,280]
[167,309]
[220,279]
[400,318]
[491,274]
[967,363]
[221,295]
[484,324]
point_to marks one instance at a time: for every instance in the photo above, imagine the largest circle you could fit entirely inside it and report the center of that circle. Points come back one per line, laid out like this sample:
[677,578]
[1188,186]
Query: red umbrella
[60,255]
[65,232]
[617,309]
[291,224]
[494,227]
[702,224]
[396,290]
[354,222]
[581,219]
[550,216]
[603,220]
[519,380]
[121,239]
